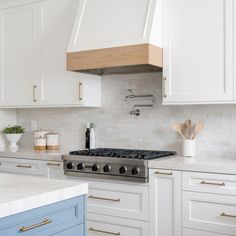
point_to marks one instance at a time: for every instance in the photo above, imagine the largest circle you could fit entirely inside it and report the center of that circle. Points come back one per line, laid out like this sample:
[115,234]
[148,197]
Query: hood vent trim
[117,60]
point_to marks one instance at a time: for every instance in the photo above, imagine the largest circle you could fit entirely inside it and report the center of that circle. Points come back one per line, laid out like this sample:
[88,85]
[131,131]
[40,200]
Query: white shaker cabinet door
[198,51]
[165,202]
[56,85]
[18,58]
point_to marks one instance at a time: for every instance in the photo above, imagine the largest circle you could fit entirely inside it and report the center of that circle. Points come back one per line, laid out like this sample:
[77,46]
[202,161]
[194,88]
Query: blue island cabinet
[65,218]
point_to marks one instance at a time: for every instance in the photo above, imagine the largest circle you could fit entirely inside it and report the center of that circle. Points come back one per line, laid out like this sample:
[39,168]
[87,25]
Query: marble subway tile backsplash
[115,127]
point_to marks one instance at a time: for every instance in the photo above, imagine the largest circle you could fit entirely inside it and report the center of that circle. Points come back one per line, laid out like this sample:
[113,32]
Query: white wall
[7,117]
[152,130]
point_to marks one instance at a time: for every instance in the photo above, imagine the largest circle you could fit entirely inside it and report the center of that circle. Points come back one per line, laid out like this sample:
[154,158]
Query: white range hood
[116,36]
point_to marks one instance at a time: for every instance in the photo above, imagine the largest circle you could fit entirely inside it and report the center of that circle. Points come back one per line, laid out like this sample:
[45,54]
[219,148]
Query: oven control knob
[107,168]
[95,167]
[123,170]
[135,171]
[80,166]
[70,166]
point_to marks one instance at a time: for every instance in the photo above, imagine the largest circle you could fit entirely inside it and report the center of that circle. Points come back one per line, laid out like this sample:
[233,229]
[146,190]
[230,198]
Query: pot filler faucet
[135,110]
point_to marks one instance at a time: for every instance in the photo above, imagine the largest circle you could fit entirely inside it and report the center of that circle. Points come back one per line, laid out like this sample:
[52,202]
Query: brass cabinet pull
[211,183]
[226,215]
[164,87]
[27,228]
[103,231]
[104,198]
[24,166]
[80,91]
[163,173]
[34,93]
[53,164]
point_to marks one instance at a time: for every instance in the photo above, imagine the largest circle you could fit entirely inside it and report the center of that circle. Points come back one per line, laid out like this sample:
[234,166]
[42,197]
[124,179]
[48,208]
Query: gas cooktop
[112,163]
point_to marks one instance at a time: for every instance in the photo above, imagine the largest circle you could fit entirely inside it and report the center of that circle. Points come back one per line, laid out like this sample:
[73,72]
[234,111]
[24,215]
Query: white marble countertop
[20,193]
[35,155]
[223,164]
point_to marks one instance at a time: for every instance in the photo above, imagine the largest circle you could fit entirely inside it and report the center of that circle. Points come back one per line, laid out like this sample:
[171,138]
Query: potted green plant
[13,135]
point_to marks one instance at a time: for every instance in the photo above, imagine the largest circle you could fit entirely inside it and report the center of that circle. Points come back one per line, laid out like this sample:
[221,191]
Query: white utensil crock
[13,139]
[188,148]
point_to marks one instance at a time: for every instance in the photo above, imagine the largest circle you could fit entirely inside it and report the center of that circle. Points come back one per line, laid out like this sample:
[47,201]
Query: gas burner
[123,153]
[112,163]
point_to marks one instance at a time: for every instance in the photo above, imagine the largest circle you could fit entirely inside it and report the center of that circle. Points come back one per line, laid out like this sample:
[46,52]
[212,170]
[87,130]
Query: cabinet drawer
[21,166]
[78,230]
[209,183]
[129,201]
[98,225]
[190,232]
[46,220]
[209,212]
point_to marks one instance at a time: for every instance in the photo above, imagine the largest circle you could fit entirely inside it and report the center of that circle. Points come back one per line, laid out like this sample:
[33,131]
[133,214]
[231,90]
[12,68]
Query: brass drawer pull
[103,231]
[27,228]
[163,173]
[104,198]
[226,215]
[164,87]
[53,164]
[211,183]
[34,93]
[80,91]
[24,166]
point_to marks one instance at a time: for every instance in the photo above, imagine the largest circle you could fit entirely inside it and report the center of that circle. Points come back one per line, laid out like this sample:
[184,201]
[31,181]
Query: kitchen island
[38,206]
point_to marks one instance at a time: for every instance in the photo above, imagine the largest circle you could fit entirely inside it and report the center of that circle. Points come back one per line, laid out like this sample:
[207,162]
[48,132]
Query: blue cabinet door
[47,220]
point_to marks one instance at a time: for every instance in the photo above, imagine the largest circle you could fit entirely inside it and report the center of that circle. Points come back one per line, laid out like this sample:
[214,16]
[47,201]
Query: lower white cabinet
[98,225]
[165,203]
[53,169]
[21,166]
[190,232]
[48,169]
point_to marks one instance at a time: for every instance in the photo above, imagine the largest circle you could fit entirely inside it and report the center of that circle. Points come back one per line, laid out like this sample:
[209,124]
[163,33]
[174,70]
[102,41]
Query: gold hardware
[104,198]
[103,231]
[34,93]
[164,87]
[226,215]
[211,183]
[163,173]
[27,228]
[53,164]
[80,91]
[24,166]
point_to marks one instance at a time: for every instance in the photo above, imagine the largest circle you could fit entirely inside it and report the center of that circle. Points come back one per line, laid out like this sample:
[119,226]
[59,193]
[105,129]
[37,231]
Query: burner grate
[124,153]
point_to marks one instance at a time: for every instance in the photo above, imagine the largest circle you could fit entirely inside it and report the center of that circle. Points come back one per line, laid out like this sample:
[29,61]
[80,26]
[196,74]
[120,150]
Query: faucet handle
[130,91]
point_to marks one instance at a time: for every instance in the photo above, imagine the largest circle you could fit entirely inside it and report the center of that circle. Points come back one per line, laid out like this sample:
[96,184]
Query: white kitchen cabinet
[198,51]
[21,166]
[53,169]
[98,225]
[33,58]
[18,58]
[190,232]
[165,202]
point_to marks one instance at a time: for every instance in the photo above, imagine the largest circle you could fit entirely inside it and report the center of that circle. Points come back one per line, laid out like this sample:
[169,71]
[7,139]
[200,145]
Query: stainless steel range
[110,163]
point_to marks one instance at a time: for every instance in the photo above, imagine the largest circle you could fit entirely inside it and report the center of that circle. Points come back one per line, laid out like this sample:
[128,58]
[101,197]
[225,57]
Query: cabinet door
[190,232]
[56,85]
[198,51]
[54,170]
[165,199]
[18,37]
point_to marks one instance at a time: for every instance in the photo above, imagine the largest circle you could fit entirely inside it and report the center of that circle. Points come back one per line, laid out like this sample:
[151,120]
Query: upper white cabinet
[33,58]
[198,51]
[17,55]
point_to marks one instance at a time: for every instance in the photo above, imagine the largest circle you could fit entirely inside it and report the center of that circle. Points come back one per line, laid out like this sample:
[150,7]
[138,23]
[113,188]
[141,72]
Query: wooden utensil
[187,129]
[198,128]
[179,129]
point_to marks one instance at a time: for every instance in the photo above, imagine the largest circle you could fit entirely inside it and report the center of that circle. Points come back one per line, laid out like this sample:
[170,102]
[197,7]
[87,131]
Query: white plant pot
[13,139]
